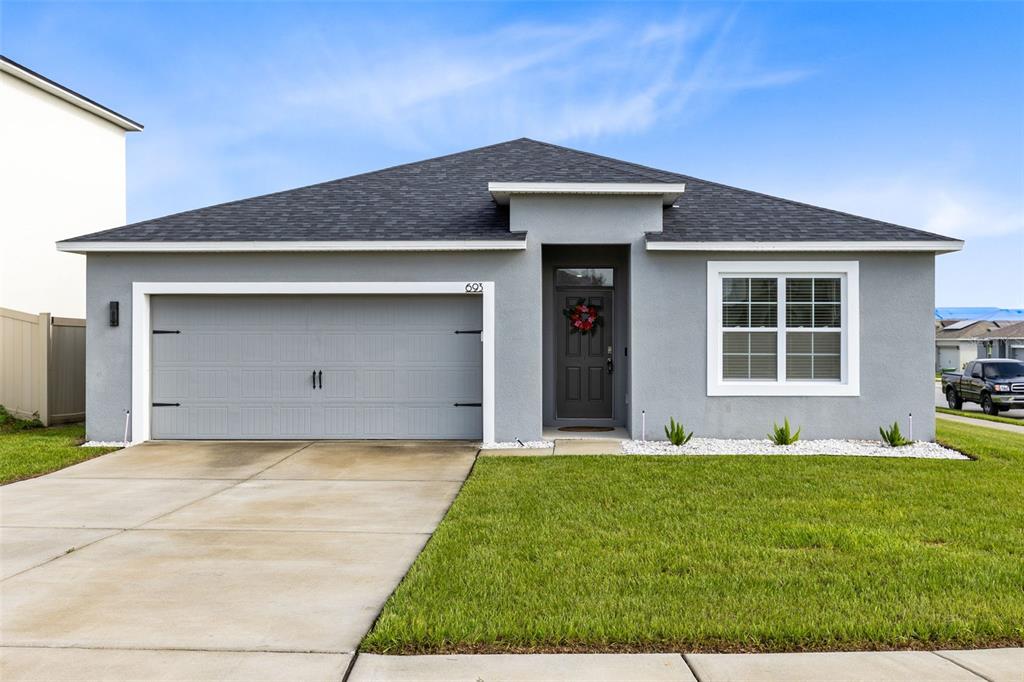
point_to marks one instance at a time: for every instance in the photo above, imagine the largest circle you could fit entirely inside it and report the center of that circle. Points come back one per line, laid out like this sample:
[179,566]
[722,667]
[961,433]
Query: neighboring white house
[63,172]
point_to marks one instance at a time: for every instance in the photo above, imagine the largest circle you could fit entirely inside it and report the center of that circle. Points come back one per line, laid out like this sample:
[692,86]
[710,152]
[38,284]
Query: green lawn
[28,450]
[723,553]
[981,415]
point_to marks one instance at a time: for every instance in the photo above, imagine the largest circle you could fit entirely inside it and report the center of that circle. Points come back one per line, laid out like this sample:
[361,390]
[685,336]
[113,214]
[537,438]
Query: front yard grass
[981,415]
[613,553]
[28,449]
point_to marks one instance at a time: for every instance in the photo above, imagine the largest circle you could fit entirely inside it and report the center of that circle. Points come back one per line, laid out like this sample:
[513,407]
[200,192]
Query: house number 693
[474,287]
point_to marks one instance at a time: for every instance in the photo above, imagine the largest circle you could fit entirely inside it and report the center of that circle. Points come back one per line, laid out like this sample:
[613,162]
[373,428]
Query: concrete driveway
[214,560]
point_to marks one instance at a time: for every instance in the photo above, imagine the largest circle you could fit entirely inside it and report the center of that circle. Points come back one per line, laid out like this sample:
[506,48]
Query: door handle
[314,379]
[611,365]
[321,378]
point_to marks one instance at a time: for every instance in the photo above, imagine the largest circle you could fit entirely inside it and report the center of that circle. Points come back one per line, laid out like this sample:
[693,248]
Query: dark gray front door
[583,376]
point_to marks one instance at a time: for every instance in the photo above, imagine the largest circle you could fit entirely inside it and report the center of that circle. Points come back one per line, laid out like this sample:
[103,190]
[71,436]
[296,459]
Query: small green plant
[783,435]
[892,435]
[676,433]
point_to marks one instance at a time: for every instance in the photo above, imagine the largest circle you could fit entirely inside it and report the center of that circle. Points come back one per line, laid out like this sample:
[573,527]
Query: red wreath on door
[583,318]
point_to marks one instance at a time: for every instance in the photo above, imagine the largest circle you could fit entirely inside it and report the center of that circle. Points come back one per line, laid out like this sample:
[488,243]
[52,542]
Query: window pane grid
[811,331]
[750,355]
[813,302]
[813,356]
[750,302]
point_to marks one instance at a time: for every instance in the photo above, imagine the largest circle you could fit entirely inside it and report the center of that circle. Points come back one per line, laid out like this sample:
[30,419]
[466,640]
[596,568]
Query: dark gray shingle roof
[447,198]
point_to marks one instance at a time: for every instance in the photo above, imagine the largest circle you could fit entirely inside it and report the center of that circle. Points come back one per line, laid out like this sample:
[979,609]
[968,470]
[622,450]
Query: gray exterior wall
[897,293]
[667,366]
[516,274]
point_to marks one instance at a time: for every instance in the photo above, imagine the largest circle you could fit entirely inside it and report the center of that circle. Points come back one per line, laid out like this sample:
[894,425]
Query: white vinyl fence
[42,366]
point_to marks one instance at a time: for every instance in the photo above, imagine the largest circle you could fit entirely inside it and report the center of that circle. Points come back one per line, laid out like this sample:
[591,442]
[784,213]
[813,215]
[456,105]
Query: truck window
[976,370]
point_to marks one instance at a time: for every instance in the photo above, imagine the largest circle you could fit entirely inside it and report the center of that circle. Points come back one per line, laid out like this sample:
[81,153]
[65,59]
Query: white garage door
[949,358]
[253,367]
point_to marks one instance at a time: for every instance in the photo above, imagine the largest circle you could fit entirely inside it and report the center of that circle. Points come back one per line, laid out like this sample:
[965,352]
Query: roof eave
[85,247]
[59,91]
[669,192]
[932,246]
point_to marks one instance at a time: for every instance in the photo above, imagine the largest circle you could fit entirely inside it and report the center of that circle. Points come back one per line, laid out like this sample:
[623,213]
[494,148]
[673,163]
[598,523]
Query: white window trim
[142,293]
[849,385]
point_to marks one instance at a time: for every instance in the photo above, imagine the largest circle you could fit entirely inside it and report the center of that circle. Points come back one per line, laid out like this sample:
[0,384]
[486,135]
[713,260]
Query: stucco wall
[516,275]
[670,339]
[63,174]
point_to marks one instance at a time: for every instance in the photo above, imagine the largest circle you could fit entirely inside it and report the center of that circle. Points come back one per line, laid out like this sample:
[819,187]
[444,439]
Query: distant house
[957,342]
[1006,341]
[63,173]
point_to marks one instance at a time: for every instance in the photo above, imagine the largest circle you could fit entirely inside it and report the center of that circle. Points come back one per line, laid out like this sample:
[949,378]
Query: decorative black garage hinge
[468,404]
[166,331]
[469,331]
[166,404]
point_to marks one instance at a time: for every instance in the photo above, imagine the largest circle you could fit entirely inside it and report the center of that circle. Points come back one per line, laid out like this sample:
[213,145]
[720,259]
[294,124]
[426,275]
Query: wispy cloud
[560,81]
[950,207]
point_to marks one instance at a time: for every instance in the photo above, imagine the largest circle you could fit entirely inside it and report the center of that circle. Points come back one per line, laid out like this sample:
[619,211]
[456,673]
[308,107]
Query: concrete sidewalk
[999,426]
[993,665]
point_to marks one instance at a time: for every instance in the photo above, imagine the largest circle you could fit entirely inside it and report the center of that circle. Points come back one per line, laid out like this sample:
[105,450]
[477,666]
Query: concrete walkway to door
[214,560]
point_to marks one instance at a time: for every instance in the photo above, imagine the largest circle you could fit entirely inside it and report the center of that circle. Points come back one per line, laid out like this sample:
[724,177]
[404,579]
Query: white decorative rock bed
[518,445]
[855,448]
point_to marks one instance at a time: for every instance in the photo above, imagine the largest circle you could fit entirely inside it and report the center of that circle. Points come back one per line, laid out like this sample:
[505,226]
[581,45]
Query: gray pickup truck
[994,384]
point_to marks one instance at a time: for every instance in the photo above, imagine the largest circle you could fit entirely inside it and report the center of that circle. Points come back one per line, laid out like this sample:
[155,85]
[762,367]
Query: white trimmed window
[783,328]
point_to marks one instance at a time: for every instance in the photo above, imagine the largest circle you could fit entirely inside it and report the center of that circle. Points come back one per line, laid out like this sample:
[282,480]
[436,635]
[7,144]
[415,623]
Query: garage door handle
[468,405]
[321,373]
[314,379]
[166,404]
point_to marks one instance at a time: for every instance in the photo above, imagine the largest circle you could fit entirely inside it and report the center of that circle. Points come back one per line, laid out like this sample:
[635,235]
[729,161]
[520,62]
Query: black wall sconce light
[115,313]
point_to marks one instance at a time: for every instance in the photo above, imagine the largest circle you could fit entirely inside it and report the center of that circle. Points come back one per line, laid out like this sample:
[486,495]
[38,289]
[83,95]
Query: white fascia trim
[932,246]
[850,384]
[70,97]
[668,191]
[285,246]
[142,336]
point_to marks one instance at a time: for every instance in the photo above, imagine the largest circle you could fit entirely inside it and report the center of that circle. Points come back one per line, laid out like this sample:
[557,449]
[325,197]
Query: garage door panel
[374,347]
[171,422]
[341,421]
[256,348]
[340,383]
[295,421]
[392,366]
[256,421]
[293,383]
[256,384]
[338,348]
[170,385]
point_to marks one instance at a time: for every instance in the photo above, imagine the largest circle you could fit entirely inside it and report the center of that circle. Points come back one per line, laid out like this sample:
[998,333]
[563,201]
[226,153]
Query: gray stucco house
[436,300]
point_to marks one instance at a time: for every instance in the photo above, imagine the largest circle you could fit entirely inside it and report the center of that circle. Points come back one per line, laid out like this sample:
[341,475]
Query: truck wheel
[954,401]
[987,406]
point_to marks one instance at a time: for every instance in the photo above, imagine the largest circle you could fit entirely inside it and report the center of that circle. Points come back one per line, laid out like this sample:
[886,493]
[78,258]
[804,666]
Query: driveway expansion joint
[693,670]
[961,665]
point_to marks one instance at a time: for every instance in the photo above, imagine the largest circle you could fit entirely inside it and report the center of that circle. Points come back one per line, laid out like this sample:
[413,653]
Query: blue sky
[909,112]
